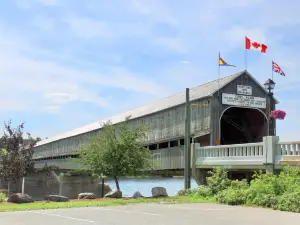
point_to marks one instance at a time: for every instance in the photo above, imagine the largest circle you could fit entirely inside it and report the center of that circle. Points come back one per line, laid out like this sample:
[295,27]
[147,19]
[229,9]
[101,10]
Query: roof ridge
[86,128]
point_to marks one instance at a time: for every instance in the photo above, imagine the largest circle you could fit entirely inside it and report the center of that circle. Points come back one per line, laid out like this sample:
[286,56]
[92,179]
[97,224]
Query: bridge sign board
[243,100]
[244,90]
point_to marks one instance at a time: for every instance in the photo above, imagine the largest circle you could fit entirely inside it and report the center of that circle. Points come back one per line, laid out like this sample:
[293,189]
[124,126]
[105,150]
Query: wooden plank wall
[164,125]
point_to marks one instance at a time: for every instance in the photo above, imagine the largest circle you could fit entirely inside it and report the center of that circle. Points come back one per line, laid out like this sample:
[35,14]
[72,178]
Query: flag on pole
[223,63]
[277,69]
[253,45]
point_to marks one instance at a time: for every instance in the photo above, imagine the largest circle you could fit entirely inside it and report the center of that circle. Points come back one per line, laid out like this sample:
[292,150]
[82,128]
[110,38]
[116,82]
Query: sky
[67,63]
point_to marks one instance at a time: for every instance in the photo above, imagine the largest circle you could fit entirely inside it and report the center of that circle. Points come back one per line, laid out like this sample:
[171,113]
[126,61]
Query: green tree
[117,151]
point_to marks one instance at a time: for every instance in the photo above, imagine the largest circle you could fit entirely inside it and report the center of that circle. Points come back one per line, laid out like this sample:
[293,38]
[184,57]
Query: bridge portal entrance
[242,125]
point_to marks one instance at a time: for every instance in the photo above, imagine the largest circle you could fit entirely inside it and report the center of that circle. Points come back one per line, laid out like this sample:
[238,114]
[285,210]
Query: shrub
[236,184]
[268,200]
[236,194]
[232,196]
[289,201]
[204,191]
[219,180]
[2,197]
[265,185]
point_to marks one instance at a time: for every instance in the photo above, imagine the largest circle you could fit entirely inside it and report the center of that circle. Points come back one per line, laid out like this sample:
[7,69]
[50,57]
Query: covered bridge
[232,110]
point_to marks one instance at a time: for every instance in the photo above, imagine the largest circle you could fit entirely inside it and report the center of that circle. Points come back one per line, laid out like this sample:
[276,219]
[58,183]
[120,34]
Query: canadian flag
[253,45]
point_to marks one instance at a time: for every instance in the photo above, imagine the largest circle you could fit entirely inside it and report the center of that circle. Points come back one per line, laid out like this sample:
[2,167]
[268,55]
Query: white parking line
[196,208]
[66,217]
[127,211]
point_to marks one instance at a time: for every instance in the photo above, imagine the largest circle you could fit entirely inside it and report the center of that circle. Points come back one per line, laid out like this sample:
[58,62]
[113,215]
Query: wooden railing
[288,148]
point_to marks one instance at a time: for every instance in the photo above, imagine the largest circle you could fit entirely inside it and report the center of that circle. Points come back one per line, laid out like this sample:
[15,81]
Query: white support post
[23,185]
[269,147]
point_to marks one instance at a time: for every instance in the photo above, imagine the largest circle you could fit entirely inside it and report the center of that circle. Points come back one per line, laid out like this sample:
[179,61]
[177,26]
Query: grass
[5,207]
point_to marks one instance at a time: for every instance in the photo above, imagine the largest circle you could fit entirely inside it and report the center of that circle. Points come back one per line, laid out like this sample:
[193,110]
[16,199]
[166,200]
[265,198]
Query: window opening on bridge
[153,147]
[181,141]
[163,145]
[174,143]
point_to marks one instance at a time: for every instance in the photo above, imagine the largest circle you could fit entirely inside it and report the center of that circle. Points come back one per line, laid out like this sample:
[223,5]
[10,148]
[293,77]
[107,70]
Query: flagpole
[219,76]
[272,71]
[245,53]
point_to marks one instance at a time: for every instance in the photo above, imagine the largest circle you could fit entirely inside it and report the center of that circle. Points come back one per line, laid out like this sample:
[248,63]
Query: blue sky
[66,63]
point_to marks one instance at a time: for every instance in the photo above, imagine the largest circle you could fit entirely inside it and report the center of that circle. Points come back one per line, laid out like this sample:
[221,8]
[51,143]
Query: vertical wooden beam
[187,155]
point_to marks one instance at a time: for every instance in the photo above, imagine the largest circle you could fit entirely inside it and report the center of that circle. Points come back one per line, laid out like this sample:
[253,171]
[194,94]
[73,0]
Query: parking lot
[158,214]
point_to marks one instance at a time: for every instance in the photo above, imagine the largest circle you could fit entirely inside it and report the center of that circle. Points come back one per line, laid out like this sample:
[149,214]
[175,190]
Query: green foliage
[118,151]
[289,201]
[280,191]
[200,191]
[232,196]
[3,197]
[204,191]
[185,192]
[235,194]
[218,181]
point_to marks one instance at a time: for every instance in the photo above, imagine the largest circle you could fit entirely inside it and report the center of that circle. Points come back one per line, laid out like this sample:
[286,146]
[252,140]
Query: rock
[107,189]
[114,194]
[20,198]
[159,192]
[56,198]
[86,196]
[137,194]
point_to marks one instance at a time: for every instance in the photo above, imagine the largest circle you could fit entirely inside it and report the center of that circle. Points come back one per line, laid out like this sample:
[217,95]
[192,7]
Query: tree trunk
[117,183]
[8,189]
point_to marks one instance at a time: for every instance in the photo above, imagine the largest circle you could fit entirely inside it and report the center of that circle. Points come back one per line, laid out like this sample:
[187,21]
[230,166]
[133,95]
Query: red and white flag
[253,45]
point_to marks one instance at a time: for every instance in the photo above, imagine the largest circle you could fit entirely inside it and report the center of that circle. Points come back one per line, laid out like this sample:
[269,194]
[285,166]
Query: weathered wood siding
[164,126]
[218,108]
[168,158]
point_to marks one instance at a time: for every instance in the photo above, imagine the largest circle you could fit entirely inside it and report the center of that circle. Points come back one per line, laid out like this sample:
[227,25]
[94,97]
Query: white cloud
[30,79]
[198,31]
[85,27]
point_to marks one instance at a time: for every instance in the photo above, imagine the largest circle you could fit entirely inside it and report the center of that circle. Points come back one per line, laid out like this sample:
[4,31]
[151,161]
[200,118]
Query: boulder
[56,198]
[107,189]
[137,194]
[20,198]
[86,195]
[114,194]
[159,192]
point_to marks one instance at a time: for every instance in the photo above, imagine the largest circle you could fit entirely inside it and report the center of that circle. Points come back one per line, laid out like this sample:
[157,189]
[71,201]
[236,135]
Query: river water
[144,185]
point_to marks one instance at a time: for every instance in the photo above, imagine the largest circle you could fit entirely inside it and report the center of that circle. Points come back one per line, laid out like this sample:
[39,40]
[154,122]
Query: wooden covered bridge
[233,114]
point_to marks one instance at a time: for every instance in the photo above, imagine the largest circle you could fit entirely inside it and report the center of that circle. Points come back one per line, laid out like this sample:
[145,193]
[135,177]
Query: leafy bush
[236,184]
[232,196]
[289,201]
[204,191]
[266,190]
[219,180]
[2,197]
[236,194]
[269,200]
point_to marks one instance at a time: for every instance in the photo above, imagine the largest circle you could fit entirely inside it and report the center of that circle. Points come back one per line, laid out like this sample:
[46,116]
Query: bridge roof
[198,92]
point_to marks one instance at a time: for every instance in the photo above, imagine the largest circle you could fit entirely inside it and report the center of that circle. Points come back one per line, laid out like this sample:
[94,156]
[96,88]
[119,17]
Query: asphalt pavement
[153,214]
